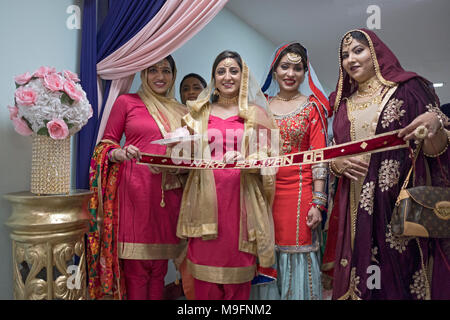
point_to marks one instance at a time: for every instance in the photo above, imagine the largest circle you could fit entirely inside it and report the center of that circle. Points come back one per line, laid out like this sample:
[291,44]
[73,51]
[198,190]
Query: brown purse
[422,211]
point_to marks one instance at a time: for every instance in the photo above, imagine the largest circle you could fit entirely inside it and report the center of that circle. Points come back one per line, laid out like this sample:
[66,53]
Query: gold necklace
[354,106]
[228,101]
[288,99]
[369,87]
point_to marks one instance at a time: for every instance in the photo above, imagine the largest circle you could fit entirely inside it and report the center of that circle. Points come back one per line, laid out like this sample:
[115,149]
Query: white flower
[56,104]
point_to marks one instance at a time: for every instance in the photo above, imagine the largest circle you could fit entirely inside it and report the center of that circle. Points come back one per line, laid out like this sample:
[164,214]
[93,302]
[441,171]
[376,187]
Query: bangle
[319,171]
[320,193]
[320,207]
[319,201]
[111,156]
[323,198]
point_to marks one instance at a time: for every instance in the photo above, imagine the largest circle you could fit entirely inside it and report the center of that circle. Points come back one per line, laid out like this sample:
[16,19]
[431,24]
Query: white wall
[34,33]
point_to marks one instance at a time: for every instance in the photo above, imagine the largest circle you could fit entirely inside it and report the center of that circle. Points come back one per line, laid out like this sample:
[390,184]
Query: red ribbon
[375,144]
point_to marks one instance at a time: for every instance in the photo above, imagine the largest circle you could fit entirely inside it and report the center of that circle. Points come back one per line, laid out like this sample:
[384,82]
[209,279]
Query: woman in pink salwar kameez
[226,214]
[147,201]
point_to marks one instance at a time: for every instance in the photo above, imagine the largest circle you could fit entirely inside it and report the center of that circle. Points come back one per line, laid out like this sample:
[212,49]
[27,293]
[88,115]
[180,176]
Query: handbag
[422,211]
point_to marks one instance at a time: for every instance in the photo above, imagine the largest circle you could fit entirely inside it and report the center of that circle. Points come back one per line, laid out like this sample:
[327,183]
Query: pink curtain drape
[175,23]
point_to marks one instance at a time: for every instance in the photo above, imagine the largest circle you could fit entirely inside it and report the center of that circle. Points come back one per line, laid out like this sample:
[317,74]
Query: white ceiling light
[438,84]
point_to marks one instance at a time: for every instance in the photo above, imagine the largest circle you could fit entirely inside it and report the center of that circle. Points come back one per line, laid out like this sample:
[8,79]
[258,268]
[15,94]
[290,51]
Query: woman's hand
[314,217]
[352,168]
[429,120]
[232,156]
[127,153]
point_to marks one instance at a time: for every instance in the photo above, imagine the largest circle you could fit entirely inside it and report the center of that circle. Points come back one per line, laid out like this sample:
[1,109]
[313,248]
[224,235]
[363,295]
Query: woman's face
[289,75]
[160,77]
[190,89]
[357,61]
[228,77]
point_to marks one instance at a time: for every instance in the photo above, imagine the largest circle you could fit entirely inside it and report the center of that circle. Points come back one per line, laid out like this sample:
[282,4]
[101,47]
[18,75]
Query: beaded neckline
[291,113]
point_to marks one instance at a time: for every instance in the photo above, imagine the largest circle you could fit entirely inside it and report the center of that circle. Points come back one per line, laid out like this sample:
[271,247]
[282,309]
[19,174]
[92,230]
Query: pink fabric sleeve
[116,122]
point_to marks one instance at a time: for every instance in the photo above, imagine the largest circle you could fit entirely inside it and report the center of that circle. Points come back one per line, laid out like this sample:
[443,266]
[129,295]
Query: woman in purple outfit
[375,95]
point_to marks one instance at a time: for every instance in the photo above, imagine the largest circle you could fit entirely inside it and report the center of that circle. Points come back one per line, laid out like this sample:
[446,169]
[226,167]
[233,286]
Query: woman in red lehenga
[300,109]
[135,208]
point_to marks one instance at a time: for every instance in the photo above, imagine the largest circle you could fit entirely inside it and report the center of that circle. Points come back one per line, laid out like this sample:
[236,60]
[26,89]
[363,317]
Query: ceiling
[417,31]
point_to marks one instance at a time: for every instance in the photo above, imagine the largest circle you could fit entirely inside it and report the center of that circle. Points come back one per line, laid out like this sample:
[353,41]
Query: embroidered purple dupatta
[401,275]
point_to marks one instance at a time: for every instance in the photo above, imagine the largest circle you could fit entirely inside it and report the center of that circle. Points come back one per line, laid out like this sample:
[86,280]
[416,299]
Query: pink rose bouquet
[49,103]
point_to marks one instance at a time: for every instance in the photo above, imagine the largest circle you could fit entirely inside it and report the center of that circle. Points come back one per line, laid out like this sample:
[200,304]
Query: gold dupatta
[198,213]
[167,113]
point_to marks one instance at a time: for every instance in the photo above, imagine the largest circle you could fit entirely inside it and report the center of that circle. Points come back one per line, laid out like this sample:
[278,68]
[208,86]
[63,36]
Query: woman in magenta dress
[148,201]
[226,214]
[375,95]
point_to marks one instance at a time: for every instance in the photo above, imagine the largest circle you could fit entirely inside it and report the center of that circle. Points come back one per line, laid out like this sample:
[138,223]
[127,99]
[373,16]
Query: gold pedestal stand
[48,245]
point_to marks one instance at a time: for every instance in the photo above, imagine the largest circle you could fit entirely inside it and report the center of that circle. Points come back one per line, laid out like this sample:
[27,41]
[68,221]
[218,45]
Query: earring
[216,92]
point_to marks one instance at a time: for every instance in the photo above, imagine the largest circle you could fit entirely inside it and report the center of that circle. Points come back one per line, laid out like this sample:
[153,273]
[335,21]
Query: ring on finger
[421,132]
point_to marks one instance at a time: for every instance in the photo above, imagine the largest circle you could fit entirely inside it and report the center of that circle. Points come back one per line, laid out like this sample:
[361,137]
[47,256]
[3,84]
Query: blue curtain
[123,20]
[88,77]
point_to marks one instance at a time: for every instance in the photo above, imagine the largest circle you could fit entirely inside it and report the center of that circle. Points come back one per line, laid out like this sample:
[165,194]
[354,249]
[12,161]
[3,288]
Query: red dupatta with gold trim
[104,271]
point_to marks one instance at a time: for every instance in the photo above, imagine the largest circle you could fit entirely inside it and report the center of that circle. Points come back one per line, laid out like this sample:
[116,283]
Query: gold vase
[48,245]
[50,165]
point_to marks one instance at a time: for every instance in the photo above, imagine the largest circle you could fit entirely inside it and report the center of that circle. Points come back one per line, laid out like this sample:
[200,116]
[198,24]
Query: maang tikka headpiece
[348,40]
[294,57]
[228,62]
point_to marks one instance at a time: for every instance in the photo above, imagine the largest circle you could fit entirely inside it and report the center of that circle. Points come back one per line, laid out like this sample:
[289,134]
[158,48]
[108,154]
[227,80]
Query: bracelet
[320,193]
[320,207]
[111,156]
[334,169]
[319,173]
[319,202]
[439,153]
[322,197]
